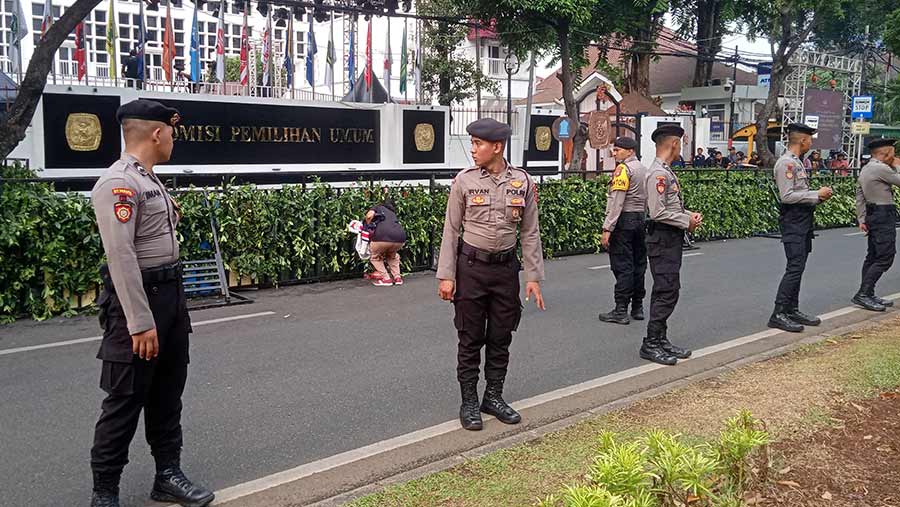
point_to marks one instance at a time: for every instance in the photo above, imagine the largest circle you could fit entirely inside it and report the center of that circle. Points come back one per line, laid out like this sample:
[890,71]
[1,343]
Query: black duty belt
[487,257]
[160,274]
[633,214]
[653,226]
[872,207]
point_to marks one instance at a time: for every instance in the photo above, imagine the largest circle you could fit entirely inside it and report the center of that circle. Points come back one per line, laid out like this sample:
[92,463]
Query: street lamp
[511,64]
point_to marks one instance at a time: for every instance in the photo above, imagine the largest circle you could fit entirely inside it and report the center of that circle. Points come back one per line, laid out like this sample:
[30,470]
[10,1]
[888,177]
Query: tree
[788,25]
[12,129]
[641,26]
[562,29]
[892,32]
[447,75]
[706,21]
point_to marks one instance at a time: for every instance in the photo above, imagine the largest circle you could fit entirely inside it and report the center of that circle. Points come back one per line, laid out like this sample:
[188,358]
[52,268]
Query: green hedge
[50,249]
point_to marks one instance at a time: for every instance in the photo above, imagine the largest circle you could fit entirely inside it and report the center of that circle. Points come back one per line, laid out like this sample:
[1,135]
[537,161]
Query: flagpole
[331,45]
[171,49]
[142,37]
[387,60]
[403,58]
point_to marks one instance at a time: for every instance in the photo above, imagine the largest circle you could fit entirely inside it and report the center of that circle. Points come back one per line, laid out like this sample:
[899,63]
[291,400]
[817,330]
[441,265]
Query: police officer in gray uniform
[668,219]
[797,206]
[623,232]
[143,312]
[493,203]
[877,216]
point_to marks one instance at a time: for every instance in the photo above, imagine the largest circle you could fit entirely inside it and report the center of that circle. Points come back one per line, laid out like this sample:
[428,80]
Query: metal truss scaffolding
[847,73]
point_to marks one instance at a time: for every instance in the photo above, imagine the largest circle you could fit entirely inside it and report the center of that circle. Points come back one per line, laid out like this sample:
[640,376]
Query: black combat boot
[674,350]
[868,302]
[652,350]
[619,315]
[105,498]
[781,320]
[494,405]
[171,485]
[637,309]
[885,302]
[802,318]
[469,415]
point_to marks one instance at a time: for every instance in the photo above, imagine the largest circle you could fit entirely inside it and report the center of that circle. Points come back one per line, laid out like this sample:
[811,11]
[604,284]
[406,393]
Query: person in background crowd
[840,165]
[387,238]
[130,70]
[740,159]
[720,161]
[816,163]
[699,159]
[678,163]
[732,156]
[754,159]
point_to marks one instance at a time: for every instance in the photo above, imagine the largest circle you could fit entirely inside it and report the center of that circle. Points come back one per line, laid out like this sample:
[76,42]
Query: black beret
[666,131]
[878,143]
[143,109]
[800,127]
[625,142]
[489,129]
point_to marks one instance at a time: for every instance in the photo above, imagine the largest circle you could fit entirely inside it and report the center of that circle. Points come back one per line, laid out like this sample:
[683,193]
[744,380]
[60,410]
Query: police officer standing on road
[877,216]
[668,219]
[479,271]
[143,312]
[797,206]
[623,232]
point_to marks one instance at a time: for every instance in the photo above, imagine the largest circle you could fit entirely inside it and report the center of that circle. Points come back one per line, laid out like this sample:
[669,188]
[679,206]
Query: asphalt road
[342,365]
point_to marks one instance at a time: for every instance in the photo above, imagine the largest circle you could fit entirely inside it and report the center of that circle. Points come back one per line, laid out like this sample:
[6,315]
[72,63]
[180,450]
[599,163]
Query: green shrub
[662,470]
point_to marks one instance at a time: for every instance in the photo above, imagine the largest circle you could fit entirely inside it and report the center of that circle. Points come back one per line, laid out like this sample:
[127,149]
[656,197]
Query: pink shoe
[370,276]
[384,282]
[398,280]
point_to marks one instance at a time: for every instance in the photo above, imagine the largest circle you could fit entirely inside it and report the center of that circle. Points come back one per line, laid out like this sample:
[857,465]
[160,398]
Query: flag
[311,50]
[141,42]
[47,20]
[330,57]
[404,61]
[388,61]
[195,46]
[369,57]
[112,36]
[289,54]
[80,55]
[220,44]
[245,52]
[168,44]
[18,29]
[351,58]
[267,51]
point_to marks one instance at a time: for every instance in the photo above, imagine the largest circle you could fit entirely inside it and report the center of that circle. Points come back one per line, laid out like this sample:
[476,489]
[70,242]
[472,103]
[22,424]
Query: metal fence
[461,117]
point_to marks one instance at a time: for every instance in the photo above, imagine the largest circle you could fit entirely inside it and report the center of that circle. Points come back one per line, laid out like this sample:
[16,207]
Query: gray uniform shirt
[793,181]
[664,202]
[874,186]
[137,219]
[491,211]
[627,191]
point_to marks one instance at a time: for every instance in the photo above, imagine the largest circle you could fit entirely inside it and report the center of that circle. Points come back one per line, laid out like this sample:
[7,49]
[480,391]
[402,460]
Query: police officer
[143,312]
[623,232]
[479,271]
[877,216]
[668,219]
[797,205]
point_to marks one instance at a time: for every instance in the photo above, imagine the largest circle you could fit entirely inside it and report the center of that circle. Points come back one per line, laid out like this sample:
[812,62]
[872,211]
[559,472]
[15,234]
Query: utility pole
[731,101]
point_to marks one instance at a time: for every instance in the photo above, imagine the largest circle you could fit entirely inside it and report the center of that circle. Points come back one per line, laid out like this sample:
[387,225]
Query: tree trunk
[12,131]
[638,79]
[709,39]
[567,77]
[444,80]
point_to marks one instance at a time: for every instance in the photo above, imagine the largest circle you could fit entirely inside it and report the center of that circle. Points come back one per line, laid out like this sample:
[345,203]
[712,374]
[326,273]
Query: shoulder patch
[127,192]
[620,179]
[123,211]
[661,184]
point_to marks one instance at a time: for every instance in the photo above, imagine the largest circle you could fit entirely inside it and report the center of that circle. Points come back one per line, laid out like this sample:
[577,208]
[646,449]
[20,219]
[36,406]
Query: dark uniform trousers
[488,310]
[133,384]
[664,249]
[796,221]
[881,220]
[628,258]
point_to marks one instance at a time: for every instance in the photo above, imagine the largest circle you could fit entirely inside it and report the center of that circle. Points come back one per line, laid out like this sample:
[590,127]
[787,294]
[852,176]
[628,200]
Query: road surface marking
[685,255]
[345,458]
[17,350]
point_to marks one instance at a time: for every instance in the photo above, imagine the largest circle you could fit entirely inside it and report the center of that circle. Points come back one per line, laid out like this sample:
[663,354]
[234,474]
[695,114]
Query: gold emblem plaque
[424,135]
[543,136]
[83,132]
